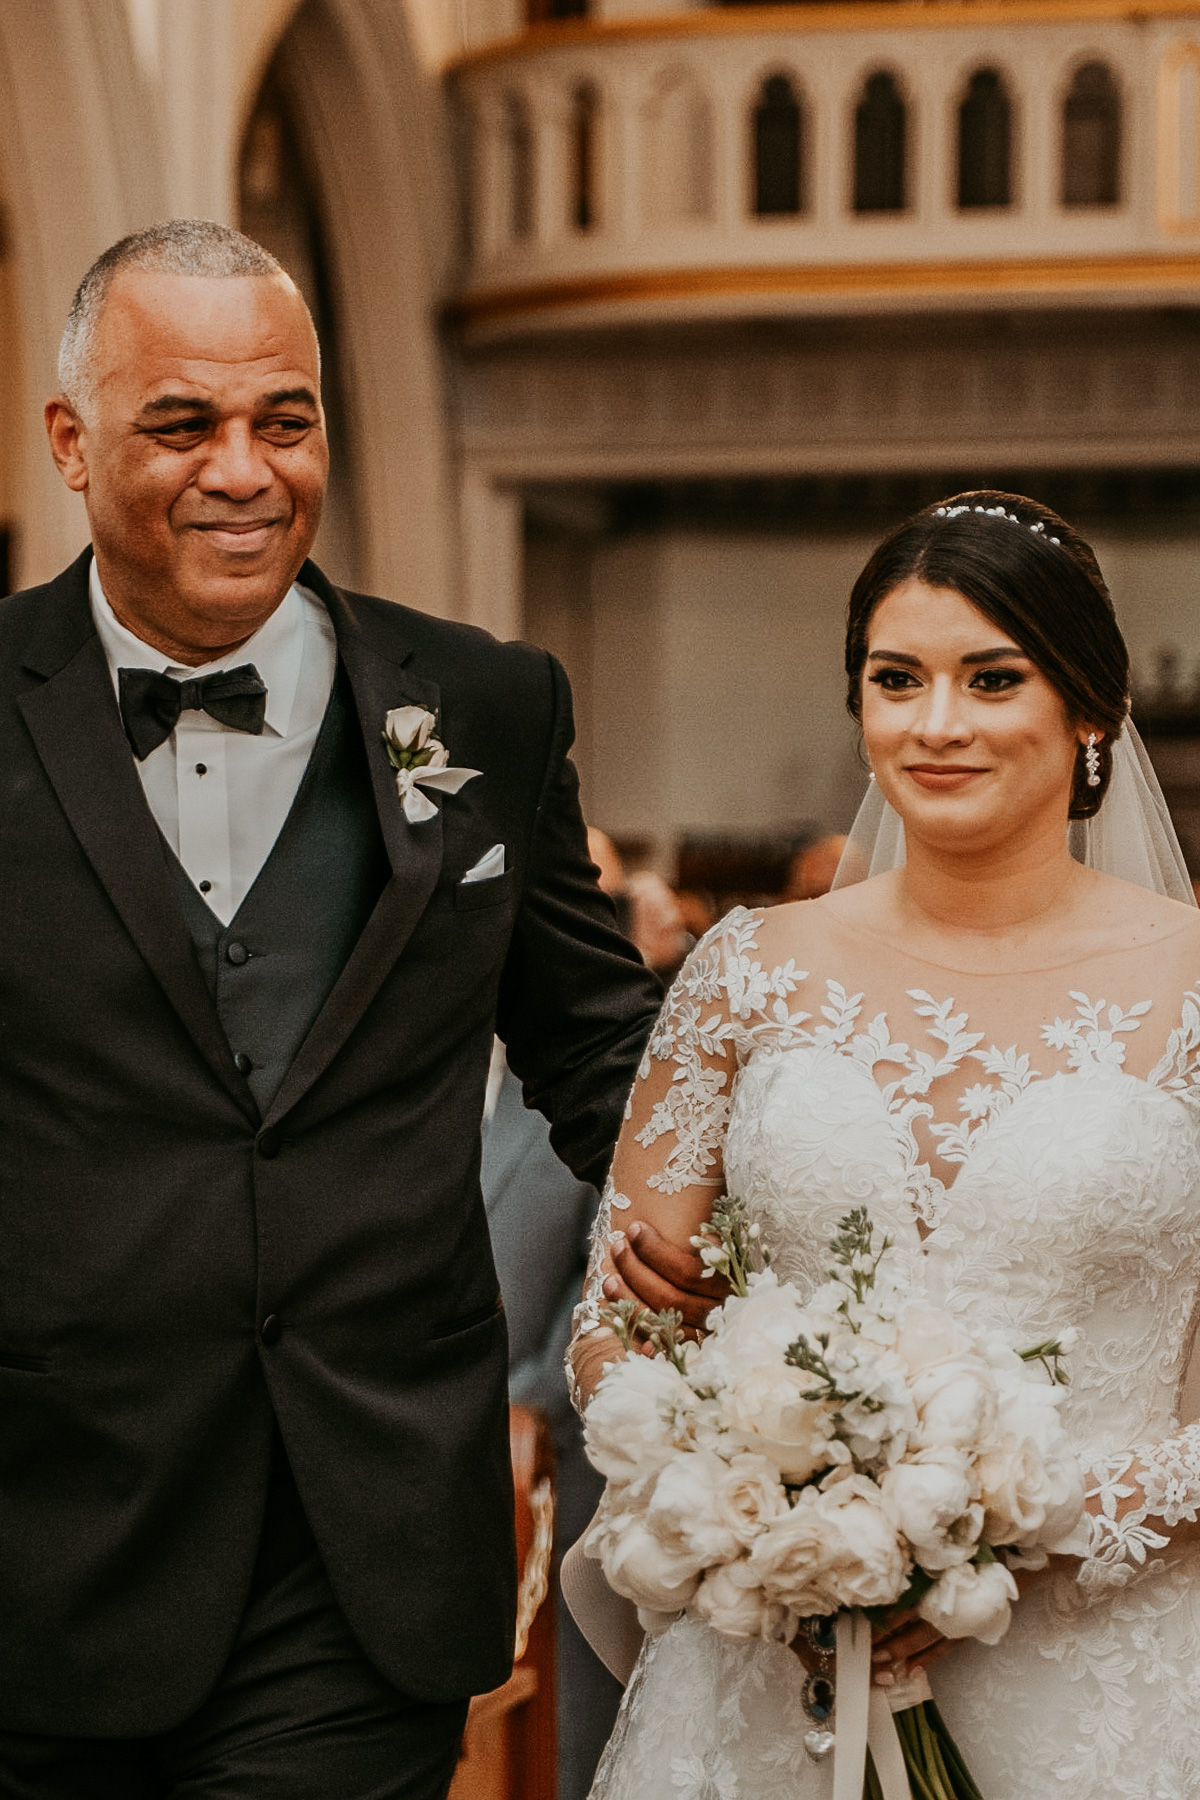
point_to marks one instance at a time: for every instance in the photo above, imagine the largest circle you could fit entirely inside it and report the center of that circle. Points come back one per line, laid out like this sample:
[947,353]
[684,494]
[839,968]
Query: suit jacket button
[268,1142]
[242,1063]
[237,953]
[270,1330]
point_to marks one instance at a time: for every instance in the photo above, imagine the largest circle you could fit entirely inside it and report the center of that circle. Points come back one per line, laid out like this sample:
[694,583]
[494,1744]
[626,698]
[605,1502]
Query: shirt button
[202,768]
[242,1063]
[270,1330]
[237,953]
[268,1142]
[206,887]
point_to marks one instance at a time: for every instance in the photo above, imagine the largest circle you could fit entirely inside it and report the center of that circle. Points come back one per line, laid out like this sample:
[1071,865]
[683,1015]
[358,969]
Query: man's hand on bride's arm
[658,1274]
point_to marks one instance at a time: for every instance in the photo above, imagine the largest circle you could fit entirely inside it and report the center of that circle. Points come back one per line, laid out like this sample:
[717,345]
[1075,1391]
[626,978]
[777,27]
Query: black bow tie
[151,703]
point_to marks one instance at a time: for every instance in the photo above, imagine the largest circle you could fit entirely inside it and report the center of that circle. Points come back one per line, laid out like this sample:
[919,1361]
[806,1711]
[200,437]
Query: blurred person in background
[540,1217]
[811,871]
[656,923]
[698,910]
[611,873]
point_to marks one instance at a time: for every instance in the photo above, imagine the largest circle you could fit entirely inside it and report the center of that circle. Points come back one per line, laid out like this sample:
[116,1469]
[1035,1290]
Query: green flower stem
[936,1770]
[964,1781]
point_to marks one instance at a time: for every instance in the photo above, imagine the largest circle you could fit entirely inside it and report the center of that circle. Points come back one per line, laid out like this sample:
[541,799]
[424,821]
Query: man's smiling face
[204,461]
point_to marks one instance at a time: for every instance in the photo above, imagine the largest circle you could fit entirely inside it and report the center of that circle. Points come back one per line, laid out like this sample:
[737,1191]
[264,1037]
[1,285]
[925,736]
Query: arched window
[778,150]
[1091,140]
[984,142]
[679,142]
[519,144]
[879,146]
[537,10]
[585,113]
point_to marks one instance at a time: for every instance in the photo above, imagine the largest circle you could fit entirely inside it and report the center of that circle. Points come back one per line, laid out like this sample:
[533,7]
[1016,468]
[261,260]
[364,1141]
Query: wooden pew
[510,1747]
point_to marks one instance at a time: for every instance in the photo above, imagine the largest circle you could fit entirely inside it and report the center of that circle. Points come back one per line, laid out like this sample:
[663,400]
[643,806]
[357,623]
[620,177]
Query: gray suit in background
[540,1214]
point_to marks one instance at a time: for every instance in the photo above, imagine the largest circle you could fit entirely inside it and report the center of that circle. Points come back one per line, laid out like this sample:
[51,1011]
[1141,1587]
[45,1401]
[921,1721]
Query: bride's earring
[1091,758]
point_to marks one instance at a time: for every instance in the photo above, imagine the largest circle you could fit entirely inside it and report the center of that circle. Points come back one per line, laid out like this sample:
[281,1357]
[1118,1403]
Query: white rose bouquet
[858,1450]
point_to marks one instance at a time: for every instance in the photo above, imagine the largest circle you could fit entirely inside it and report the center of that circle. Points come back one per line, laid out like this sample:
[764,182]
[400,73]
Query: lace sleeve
[1178,1069]
[668,1163]
[1137,1500]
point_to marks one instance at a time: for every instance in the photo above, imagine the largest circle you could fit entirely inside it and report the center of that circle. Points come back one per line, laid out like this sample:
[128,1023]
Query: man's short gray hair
[176,247]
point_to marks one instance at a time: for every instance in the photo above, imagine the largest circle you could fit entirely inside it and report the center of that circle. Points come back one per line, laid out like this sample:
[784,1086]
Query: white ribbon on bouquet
[864,1716]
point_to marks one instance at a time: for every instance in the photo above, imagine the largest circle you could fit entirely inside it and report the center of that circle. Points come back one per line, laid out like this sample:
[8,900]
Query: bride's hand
[905,1644]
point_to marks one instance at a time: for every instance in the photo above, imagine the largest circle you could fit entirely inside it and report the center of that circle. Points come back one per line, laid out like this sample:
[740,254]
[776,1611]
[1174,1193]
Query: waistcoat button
[268,1142]
[270,1330]
[242,1063]
[237,953]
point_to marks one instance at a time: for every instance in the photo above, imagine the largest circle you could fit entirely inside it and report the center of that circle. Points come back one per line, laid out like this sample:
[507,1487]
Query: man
[255,1506]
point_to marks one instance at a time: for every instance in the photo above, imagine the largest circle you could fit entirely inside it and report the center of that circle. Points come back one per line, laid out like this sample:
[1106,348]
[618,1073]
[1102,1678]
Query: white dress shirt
[221,796]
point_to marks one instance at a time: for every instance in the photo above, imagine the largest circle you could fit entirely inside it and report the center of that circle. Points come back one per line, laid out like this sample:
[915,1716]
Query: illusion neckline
[863,935]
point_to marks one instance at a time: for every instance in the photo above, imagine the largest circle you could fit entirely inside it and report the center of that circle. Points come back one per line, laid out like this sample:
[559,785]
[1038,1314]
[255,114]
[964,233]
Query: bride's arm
[668,1167]
[1142,1501]
[1139,1503]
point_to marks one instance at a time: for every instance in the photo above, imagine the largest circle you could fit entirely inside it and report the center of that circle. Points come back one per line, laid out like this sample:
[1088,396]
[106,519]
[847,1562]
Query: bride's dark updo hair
[1036,579]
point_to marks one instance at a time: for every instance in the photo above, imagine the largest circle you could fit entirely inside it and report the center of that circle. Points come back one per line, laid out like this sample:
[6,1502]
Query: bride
[993,1043]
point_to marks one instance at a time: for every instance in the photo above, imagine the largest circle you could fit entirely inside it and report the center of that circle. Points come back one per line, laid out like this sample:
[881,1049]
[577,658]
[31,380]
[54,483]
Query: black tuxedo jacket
[151,1220]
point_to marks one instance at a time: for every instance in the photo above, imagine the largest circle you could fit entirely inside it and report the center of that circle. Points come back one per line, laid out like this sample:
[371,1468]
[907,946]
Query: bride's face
[967,738]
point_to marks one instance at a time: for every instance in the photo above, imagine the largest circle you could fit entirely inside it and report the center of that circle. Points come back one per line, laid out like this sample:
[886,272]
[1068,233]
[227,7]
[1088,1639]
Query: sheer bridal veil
[1131,836]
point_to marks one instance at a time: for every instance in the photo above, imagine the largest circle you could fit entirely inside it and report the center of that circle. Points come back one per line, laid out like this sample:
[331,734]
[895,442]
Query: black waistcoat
[271,969]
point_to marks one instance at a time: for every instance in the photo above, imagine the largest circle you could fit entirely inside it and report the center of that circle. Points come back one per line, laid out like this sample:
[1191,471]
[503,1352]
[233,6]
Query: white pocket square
[488,866]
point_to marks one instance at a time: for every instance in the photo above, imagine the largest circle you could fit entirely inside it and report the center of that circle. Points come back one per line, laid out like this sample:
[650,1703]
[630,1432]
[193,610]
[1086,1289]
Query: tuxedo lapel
[379,681]
[76,729]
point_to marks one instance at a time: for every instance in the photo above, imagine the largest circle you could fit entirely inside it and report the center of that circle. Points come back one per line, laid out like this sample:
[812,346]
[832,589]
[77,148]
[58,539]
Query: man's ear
[65,430]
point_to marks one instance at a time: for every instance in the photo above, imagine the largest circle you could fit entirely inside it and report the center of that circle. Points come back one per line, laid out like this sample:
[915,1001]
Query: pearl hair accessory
[994,512]
[1091,758]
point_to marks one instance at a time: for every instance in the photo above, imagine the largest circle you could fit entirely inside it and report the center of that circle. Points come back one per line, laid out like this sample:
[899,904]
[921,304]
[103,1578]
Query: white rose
[746,1327]
[439,757]
[956,1404]
[750,1496]
[1041,1494]
[637,1565]
[635,1417]
[1029,1498]
[763,1402]
[971,1602]
[685,1512]
[933,1502]
[733,1603]
[790,1555]
[865,1564]
[768,1414]
[408,727]
[928,1336]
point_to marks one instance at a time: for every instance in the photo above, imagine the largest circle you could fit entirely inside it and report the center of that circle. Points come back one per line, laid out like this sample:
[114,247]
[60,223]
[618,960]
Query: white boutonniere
[420,760]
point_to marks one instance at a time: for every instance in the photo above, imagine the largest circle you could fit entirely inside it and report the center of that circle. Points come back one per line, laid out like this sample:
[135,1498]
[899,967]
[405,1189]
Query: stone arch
[78,115]
[375,149]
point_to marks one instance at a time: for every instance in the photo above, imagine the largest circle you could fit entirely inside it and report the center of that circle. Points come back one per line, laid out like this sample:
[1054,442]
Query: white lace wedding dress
[1069,1194]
